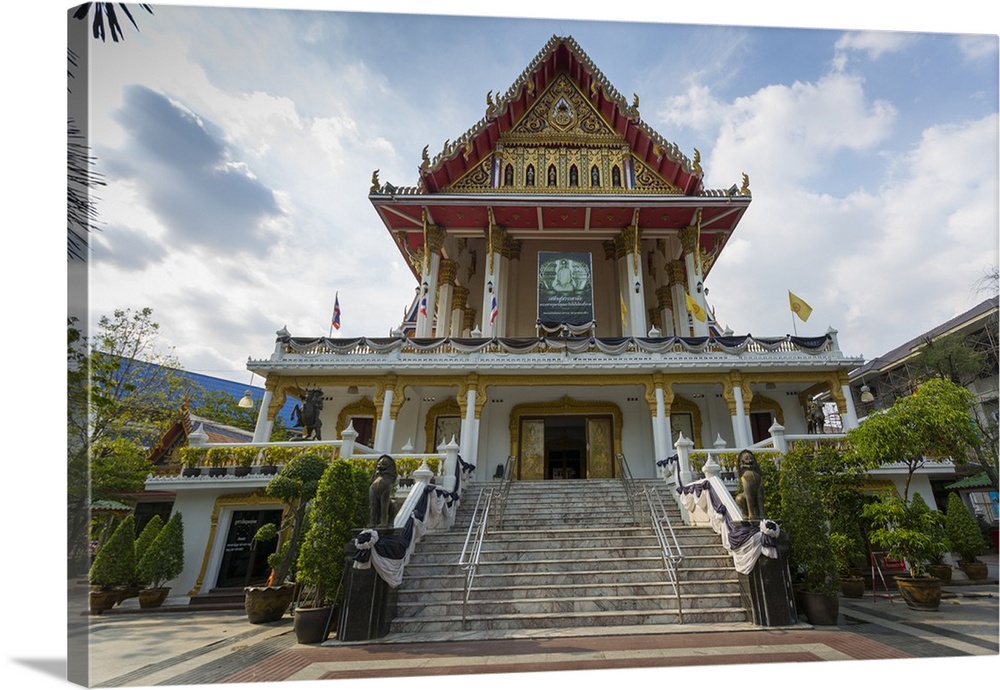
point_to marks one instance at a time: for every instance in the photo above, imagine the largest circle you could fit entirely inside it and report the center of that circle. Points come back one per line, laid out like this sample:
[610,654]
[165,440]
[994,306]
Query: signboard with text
[565,288]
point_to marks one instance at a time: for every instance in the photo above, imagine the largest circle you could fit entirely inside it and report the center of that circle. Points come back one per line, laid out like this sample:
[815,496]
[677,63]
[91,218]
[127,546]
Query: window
[595,177]
[529,176]
[508,175]
[616,177]
[574,176]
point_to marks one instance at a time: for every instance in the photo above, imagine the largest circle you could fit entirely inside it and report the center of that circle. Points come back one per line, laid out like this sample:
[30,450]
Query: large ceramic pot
[153,597]
[941,572]
[818,609]
[974,570]
[102,600]
[268,604]
[312,625]
[920,593]
[852,587]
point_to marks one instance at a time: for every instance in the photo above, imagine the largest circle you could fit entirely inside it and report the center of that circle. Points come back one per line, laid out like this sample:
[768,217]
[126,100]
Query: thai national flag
[336,312]
[423,305]
[494,310]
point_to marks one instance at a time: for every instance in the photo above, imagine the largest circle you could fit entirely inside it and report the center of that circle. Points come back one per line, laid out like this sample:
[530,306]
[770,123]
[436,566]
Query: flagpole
[795,329]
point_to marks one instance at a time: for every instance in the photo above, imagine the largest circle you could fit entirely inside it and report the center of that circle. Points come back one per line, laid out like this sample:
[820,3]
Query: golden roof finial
[745,189]
[697,160]
[425,160]
[489,100]
[375,183]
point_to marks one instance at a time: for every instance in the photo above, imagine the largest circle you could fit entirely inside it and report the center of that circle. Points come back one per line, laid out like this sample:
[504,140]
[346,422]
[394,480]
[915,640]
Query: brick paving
[227,649]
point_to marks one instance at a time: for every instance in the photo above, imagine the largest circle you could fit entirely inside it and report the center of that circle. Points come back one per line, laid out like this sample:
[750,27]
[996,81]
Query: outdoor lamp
[489,287]
[637,287]
[866,394]
[246,400]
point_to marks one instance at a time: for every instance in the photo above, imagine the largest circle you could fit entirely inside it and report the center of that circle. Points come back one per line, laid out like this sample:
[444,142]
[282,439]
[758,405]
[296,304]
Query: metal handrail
[504,489]
[670,548]
[469,560]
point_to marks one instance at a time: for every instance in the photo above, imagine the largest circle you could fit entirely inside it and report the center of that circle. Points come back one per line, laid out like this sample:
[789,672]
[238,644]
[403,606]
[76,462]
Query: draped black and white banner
[745,542]
[576,342]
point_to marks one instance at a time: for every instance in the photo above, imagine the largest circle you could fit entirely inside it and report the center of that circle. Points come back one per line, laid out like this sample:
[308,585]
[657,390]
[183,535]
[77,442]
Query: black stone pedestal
[369,602]
[766,591]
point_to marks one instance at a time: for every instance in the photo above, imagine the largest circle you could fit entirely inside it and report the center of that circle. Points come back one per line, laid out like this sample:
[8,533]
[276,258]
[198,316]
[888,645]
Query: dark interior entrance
[565,447]
[243,561]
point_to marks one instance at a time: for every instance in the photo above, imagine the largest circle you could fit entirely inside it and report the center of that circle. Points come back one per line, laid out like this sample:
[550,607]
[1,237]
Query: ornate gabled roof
[561,58]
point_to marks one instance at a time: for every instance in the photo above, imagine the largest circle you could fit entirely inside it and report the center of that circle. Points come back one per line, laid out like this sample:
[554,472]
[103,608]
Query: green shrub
[114,565]
[963,532]
[164,559]
[147,536]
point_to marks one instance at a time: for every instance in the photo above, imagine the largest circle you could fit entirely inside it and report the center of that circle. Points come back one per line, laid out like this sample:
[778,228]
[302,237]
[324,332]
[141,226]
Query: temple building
[560,324]
[560,249]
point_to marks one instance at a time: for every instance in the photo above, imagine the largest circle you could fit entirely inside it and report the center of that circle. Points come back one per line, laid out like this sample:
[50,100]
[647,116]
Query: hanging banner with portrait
[565,288]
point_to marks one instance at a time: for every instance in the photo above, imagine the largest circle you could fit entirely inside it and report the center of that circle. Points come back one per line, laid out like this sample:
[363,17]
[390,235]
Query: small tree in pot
[295,485]
[162,562]
[340,506]
[912,535]
[965,538]
[113,568]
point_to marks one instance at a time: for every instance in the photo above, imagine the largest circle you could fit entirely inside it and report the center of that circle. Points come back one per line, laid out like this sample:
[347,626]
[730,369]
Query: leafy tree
[117,466]
[121,390]
[932,424]
[295,485]
[906,531]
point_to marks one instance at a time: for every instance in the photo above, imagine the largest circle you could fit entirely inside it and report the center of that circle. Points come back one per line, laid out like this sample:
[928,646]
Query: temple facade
[560,250]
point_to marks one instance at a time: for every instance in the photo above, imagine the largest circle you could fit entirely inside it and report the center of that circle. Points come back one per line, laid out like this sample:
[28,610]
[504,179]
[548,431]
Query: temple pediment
[560,112]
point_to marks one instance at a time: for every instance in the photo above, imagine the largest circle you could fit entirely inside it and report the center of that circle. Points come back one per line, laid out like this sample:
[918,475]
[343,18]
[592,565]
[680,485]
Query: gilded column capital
[689,238]
[460,296]
[447,271]
[664,299]
[678,273]
[610,252]
[511,249]
[469,318]
[386,383]
[620,248]
[435,238]
[278,389]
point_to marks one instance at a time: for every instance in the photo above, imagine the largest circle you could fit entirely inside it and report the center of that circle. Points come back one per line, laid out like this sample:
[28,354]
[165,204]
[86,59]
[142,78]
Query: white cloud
[977,47]
[872,44]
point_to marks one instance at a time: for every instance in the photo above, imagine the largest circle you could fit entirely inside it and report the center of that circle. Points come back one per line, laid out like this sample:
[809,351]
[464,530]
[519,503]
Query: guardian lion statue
[751,498]
[381,506]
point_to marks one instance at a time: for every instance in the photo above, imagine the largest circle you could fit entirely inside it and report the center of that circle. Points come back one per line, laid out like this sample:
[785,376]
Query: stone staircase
[568,555]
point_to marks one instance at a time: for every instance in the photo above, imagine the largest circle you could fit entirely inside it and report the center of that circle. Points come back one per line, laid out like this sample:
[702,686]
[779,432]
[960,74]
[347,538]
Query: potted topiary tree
[147,536]
[340,506]
[806,522]
[113,569]
[965,538]
[295,485]
[911,535]
[162,562]
[847,551]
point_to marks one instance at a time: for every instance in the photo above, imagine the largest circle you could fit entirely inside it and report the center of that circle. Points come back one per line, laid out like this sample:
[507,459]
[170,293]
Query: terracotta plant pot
[818,609]
[920,593]
[852,587]
[268,604]
[974,570]
[153,597]
[312,625]
[102,600]
[941,572]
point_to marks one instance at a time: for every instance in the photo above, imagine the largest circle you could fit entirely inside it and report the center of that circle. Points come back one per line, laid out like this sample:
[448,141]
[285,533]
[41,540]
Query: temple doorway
[566,447]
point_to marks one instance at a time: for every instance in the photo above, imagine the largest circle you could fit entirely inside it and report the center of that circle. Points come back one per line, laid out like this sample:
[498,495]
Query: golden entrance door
[565,447]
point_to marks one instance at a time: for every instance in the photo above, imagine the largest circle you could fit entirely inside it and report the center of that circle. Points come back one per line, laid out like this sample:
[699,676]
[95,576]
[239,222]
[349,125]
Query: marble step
[569,565]
[653,586]
[664,601]
[566,550]
[567,620]
[710,579]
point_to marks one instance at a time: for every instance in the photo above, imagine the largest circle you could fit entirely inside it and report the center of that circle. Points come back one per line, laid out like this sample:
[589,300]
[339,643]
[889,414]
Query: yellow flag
[799,308]
[695,308]
[621,301]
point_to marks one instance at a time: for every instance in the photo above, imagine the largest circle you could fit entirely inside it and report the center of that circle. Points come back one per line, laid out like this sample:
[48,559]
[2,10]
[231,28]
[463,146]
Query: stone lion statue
[381,507]
[751,497]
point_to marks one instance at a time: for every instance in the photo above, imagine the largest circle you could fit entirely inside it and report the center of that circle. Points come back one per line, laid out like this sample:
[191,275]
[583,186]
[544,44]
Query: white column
[741,425]
[661,432]
[442,328]
[383,437]
[850,417]
[694,280]
[494,277]
[469,428]
[684,446]
[637,303]
[262,431]
[425,323]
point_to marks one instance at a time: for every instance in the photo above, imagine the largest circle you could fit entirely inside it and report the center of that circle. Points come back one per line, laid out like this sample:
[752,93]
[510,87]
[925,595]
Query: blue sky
[238,145]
